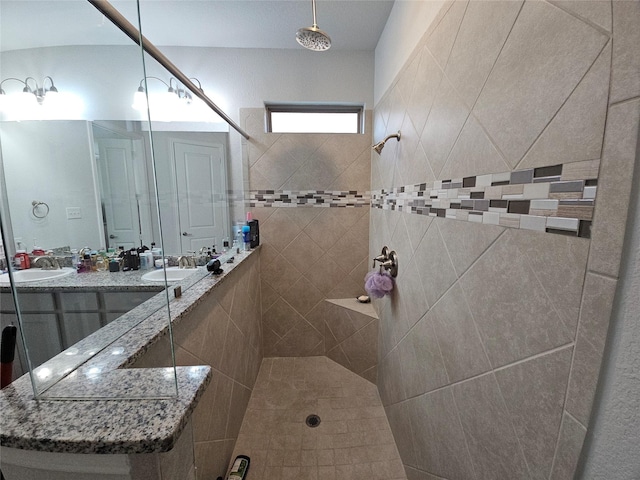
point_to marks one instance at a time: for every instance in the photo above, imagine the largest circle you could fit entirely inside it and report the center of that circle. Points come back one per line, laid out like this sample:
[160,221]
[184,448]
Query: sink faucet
[46,263]
[187,261]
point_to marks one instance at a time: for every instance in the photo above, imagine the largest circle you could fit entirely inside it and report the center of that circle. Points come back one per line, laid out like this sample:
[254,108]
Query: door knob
[112,236]
[186,234]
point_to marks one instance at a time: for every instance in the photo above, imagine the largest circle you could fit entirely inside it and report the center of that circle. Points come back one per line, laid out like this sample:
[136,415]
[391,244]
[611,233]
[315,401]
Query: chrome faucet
[46,263]
[187,261]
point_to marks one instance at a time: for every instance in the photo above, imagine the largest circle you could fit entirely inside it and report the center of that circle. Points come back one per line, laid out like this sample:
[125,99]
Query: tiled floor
[353,439]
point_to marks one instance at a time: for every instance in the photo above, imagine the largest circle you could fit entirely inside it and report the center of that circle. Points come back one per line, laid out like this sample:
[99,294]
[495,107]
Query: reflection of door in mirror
[200,186]
[124,191]
[119,203]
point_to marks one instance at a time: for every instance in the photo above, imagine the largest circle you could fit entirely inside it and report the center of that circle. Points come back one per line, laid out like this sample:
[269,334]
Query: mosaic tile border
[555,199]
[308,198]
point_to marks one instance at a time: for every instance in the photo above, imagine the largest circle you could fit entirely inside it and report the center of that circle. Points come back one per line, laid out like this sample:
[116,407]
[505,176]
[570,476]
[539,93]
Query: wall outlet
[73,213]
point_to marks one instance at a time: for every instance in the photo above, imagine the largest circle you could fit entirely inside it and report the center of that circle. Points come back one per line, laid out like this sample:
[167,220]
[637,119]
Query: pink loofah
[378,284]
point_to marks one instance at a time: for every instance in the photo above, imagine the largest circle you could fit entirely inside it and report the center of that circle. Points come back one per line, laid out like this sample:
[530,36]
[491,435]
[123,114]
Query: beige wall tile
[559,263]
[614,187]
[391,380]
[447,117]
[302,252]
[547,38]
[534,393]
[477,47]
[212,458]
[581,170]
[178,461]
[427,80]
[421,360]
[473,153]
[492,442]
[458,337]
[438,438]
[576,132]
[440,41]
[568,450]
[626,58]
[596,310]
[597,303]
[435,270]
[583,380]
[466,242]
[514,314]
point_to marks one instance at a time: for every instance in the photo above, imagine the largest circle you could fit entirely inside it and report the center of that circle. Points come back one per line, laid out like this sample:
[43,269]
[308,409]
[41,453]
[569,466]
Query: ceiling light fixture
[312,37]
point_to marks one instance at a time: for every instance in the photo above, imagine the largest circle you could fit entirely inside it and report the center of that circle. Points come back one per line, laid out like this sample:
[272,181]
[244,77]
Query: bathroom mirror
[72,178]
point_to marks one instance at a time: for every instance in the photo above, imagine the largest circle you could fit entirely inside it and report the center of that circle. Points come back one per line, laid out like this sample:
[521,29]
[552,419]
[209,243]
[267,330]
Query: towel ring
[37,204]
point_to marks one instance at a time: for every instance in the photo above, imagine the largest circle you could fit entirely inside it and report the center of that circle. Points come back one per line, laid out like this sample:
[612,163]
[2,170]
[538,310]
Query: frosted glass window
[314,119]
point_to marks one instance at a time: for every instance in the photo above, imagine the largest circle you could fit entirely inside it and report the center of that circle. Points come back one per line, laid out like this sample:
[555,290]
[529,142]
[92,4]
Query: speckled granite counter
[100,407]
[105,281]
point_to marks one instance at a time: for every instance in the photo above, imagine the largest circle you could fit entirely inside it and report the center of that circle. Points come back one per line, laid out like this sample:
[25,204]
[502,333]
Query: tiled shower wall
[310,193]
[491,343]
[222,331]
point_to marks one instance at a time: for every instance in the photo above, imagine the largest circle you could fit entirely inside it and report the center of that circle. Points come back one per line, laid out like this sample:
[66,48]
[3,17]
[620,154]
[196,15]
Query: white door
[201,190]
[119,192]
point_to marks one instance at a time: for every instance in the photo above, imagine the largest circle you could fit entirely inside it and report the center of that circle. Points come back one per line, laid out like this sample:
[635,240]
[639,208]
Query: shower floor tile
[353,439]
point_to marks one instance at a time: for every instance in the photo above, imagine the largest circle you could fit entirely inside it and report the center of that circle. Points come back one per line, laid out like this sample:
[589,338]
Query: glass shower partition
[72,321]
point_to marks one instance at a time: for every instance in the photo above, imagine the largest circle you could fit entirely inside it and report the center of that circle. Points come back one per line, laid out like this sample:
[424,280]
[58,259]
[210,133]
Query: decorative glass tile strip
[556,199]
[308,198]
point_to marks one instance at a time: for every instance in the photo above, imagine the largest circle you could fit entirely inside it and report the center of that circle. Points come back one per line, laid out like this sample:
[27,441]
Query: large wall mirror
[87,167]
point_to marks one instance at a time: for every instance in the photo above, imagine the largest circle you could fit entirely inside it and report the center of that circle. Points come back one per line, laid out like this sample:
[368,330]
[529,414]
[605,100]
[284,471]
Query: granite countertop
[101,406]
[105,281]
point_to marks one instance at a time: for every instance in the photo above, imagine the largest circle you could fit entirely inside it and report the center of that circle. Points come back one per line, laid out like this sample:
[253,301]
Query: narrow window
[314,118]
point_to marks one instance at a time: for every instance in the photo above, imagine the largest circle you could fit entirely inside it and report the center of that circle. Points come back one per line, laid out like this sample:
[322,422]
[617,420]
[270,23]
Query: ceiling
[352,24]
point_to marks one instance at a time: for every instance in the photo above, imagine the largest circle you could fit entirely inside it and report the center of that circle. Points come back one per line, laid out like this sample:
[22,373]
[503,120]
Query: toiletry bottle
[239,469]
[21,260]
[246,237]
[254,233]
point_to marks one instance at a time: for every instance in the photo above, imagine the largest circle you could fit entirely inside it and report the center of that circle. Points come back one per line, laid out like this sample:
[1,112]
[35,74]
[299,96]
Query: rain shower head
[312,37]
[380,145]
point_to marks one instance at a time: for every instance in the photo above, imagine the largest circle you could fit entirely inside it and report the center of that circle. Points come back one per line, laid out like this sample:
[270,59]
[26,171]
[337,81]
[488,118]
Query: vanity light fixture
[175,93]
[32,91]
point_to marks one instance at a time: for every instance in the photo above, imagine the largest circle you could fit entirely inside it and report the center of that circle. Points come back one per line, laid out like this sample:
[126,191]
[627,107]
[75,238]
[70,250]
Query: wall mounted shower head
[380,145]
[312,37]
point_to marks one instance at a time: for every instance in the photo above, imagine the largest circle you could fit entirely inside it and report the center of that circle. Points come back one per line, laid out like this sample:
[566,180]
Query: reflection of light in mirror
[167,107]
[44,373]
[55,106]
[117,351]
[93,372]
[71,351]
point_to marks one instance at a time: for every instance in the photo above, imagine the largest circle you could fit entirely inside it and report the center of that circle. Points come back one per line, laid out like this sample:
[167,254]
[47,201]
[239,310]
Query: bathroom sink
[174,274]
[35,274]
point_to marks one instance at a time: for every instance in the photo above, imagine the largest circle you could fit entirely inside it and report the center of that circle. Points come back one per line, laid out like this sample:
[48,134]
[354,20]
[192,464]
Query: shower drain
[312,421]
